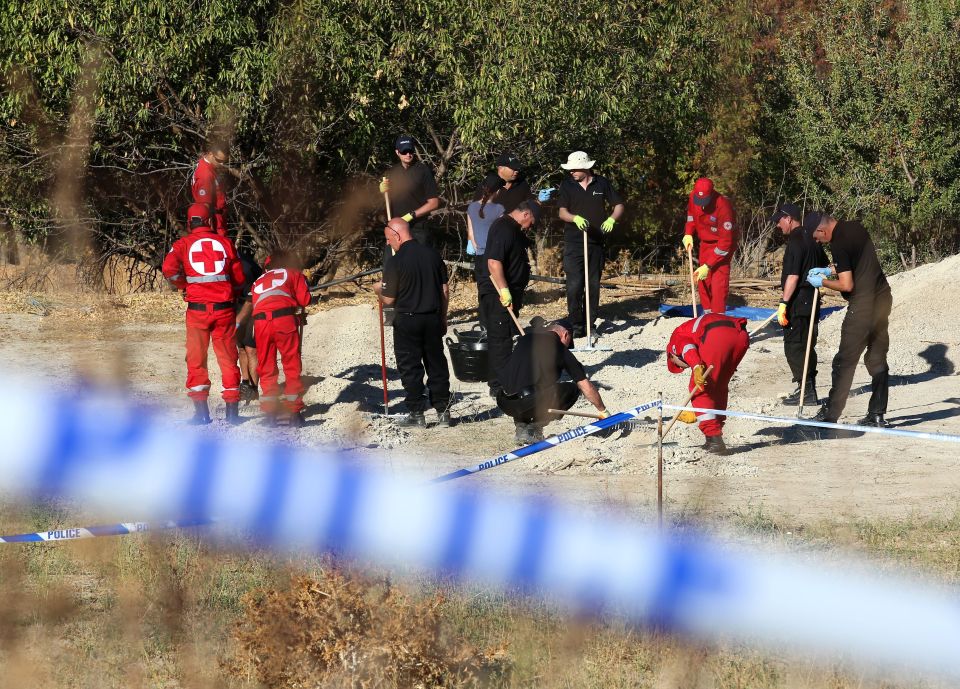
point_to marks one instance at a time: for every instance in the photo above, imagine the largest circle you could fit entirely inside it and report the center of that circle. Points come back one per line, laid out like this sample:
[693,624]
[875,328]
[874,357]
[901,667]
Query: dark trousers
[795,343]
[532,407]
[864,328]
[418,344]
[500,332]
[573,268]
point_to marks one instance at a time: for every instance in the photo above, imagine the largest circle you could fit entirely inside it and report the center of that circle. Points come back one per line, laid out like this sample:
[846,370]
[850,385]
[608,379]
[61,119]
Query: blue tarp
[751,313]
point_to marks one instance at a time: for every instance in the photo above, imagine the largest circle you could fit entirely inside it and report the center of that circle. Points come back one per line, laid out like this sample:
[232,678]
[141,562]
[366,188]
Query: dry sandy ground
[865,476]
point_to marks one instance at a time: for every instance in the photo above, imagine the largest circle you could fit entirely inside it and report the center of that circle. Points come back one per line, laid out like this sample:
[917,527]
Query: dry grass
[169,611]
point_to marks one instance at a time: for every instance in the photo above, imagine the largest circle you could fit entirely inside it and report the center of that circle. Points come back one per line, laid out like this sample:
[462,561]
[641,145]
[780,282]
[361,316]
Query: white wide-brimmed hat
[578,160]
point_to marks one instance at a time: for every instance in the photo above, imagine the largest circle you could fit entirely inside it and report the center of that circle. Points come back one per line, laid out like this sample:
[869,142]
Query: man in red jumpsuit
[710,340]
[278,295]
[710,217]
[205,265]
[206,188]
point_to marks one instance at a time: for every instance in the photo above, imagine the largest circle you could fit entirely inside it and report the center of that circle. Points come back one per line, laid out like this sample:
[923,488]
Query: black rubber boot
[248,391]
[297,420]
[443,419]
[201,413]
[874,420]
[413,419]
[233,413]
[810,398]
[715,445]
[520,432]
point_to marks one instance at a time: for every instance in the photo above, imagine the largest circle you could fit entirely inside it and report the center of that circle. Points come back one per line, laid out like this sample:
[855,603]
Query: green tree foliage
[106,106]
[872,129]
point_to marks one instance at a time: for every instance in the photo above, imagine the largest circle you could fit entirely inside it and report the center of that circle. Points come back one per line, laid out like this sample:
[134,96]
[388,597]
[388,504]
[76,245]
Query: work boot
[535,432]
[296,420]
[413,419]
[232,415]
[715,444]
[201,413]
[443,419]
[248,391]
[809,396]
[520,432]
[874,420]
[824,415]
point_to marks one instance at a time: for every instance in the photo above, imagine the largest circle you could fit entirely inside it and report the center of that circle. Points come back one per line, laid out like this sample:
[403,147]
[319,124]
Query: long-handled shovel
[509,309]
[590,347]
[693,285]
[383,346]
[806,357]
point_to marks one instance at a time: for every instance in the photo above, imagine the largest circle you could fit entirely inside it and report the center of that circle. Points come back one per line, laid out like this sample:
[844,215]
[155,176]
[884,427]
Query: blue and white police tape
[552,441]
[122,529]
[107,454]
[793,421]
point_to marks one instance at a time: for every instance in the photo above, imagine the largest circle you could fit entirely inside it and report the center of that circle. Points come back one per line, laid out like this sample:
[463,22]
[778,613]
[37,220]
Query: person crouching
[532,385]
[278,297]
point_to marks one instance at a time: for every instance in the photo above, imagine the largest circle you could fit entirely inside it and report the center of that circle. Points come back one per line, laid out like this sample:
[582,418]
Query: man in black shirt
[800,255]
[412,189]
[588,204]
[246,344]
[515,189]
[415,284]
[531,381]
[860,279]
[502,281]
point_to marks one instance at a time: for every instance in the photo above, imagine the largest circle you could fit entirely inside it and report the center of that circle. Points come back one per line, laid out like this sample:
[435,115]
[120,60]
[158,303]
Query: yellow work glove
[604,414]
[607,225]
[700,377]
[687,417]
[701,272]
[384,185]
[687,242]
[505,297]
[782,314]
[409,217]
[580,222]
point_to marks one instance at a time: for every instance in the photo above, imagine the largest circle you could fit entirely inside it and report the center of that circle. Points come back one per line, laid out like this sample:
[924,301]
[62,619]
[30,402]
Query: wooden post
[586,290]
[693,286]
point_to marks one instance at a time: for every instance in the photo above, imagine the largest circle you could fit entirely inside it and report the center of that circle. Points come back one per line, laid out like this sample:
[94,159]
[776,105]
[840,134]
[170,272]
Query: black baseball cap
[812,221]
[786,210]
[405,143]
[509,160]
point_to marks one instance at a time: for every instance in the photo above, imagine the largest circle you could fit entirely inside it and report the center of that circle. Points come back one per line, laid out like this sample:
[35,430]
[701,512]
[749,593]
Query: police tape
[850,428]
[551,442]
[122,529]
[103,452]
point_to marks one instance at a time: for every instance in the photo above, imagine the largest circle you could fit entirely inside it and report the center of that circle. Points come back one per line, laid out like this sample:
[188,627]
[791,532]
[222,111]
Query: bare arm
[470,232]
[593,396]
[617,211]
[496,274]
[843,283]
[790,286]
[245,311]
[564,214]
[444,303]
[387,301]
[427,208]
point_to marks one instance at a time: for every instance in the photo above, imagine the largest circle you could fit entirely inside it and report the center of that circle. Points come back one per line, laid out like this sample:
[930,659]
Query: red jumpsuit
[205,188]
[710,339]
[206,266]
[713,225]
[276,296]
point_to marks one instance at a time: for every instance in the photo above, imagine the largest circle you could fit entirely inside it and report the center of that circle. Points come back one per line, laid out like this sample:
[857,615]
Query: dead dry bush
[348,631]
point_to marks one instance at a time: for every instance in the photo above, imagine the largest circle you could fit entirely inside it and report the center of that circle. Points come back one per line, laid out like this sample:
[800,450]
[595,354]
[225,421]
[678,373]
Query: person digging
[712,346]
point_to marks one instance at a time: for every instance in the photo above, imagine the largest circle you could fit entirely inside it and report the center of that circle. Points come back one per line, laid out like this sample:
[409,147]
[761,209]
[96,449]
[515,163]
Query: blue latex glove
[544,194]
[471,251]
[822,271]
[815,279]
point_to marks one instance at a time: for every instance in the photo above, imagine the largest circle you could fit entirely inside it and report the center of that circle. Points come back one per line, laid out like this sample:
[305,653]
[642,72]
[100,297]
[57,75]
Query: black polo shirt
[595,203]
[518,192]
[506,243]
[801,253]
[410,188]
[251,271]
[538,360]
[853,251]
[415,276]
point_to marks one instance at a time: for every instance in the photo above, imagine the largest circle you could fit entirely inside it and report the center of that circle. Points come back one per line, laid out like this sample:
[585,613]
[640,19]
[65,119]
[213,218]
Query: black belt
[200,306]
[524,392]
[264,315]
[718,324]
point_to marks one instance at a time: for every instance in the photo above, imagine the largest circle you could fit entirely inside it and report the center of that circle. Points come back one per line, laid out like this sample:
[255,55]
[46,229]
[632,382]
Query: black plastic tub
[469,356]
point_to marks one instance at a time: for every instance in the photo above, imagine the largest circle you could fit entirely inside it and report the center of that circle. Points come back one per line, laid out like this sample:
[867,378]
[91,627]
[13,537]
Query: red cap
[703,192]
[198,215]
